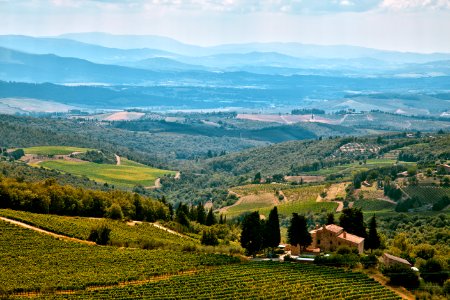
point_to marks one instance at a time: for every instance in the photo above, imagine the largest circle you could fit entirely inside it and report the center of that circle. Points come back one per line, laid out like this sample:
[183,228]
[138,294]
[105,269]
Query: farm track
[117,159]
[55,235]
[340,206]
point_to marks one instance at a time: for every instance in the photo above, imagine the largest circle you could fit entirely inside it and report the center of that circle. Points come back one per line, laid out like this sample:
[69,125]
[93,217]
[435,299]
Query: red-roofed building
[330,237]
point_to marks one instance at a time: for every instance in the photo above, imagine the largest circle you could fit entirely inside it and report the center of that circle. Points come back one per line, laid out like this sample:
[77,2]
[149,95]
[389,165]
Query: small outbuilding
[390,260]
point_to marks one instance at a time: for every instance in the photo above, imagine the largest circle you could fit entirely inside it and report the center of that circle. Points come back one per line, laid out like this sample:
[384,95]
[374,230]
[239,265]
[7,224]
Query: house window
[339,243]
[318,242]
[331,242]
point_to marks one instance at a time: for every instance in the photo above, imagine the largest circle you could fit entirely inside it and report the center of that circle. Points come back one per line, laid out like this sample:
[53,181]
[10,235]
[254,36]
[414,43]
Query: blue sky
[405,25]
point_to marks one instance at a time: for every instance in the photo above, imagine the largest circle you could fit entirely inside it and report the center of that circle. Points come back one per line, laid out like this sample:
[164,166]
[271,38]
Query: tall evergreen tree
[251,236]
[201,214]
[210,218]
[257,178]
[330,218]
[352,220]
[272,236]
[373,238]
[298,233]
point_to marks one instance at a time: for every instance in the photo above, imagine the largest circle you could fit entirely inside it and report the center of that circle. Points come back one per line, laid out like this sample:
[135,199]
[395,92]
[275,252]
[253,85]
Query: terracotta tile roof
[351,238]
[334,228]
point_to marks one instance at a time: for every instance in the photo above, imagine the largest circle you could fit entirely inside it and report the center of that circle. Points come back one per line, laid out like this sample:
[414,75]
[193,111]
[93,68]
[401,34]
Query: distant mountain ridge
[292,49]
[163,54]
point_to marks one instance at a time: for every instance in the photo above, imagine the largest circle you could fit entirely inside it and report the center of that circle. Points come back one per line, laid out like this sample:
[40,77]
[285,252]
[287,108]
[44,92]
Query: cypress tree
[352,220]
[251,236]
[201,214]
[298,233]
[373,239]
[272,236]
[330,218]
[210,218]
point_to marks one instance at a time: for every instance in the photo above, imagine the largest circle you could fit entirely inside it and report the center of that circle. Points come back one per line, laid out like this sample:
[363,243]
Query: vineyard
[32,261]
[427,194]
[262,197]
[374,205]
[255,280]
[122,233]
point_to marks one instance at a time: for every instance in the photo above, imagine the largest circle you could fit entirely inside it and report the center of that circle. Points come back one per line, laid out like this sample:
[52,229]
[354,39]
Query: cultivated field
[287,119]
[128,174]
[427,194]
[253,280]
[33,261]
[263,197]
[54,150]
[132,234]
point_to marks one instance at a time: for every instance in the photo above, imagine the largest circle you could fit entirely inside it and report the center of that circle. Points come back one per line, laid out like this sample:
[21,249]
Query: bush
[425,251]
[346,250]
[100,235]
[369,261]
[434,271]
[209,238]
[288,258]
[401,275]
[338,260]
[447,287]
[115,212]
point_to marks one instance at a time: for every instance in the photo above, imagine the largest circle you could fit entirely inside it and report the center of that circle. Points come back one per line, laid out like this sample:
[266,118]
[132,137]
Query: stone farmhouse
[330,237]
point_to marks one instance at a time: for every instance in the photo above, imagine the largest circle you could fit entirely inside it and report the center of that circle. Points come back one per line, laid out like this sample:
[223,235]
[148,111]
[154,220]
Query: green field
[32,261]
[122,233]
[253,280]
[128,174]
[54,150]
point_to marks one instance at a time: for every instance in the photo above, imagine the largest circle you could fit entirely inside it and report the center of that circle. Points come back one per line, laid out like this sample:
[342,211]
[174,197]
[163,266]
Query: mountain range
[143,71]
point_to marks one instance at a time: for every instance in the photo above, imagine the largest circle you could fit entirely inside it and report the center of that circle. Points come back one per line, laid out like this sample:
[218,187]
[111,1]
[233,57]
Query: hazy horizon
[405,25]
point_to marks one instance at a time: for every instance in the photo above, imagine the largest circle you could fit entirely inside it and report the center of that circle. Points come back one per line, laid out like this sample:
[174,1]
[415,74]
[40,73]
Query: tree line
[259,234]
[50,197]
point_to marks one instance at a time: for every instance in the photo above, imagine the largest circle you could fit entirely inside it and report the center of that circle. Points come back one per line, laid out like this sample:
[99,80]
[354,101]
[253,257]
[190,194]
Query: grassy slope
[127,174]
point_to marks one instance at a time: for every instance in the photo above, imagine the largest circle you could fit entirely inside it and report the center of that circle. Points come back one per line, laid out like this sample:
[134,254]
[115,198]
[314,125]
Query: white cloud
[415,5]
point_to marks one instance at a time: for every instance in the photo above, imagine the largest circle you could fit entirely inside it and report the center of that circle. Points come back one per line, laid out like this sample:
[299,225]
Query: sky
[401,25]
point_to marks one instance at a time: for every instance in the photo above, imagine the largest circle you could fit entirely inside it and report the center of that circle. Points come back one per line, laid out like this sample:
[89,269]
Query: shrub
[288,258]
[425,251]
[401,275]
[209,238]
[100,235]
[369,261]
[338,260]
[434,271]
[447,287]
[115,212]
